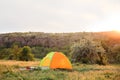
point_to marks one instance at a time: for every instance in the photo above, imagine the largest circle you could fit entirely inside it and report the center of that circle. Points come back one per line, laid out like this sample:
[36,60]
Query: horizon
[61,32]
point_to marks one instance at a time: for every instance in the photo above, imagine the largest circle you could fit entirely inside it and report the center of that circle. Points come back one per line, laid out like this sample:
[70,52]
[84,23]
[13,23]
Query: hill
[42,43]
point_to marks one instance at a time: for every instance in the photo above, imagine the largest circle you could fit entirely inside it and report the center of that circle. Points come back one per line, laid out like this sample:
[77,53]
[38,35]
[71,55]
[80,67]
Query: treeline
[42,43]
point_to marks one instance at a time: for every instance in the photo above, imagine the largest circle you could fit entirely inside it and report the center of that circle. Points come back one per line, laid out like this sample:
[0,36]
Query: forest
[83,47]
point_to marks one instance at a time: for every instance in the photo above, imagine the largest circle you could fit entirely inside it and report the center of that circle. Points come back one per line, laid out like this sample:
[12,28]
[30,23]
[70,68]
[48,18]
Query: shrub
[25,54]
[88,51]
[116,53]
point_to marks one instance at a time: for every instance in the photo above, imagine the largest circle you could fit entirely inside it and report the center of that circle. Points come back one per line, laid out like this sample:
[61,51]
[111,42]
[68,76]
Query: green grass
[79,72]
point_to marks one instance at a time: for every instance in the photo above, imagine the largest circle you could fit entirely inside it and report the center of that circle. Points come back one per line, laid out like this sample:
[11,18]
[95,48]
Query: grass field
[9,70]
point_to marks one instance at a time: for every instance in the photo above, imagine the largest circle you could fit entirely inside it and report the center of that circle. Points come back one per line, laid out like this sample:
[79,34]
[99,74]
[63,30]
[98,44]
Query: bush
[116,53]
[5,53]
[25,54]
[88,51]
[15,51]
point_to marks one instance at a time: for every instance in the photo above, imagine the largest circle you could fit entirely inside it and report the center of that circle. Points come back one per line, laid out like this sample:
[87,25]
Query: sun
[116,29]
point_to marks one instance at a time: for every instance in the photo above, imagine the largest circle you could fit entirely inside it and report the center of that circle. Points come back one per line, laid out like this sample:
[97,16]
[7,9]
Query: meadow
[10,70]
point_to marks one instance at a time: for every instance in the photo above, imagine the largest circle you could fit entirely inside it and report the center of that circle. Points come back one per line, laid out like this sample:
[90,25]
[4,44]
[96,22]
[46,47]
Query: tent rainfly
[55,60]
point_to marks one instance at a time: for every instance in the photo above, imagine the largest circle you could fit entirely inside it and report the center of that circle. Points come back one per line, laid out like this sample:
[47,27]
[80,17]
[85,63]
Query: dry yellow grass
[19,63]
[95,72]
[94,75]
[101,67]
[80,72]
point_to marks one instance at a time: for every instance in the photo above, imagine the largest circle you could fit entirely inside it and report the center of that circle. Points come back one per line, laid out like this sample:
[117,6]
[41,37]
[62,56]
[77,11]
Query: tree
[15,51]
[5,53]
[88,51]
[116,54]
[26,54]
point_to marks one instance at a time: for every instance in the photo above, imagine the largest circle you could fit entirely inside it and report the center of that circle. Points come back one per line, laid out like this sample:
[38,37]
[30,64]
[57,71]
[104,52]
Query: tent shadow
[64,70]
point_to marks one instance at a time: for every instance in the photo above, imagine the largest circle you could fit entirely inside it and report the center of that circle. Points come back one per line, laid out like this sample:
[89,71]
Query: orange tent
[55,60]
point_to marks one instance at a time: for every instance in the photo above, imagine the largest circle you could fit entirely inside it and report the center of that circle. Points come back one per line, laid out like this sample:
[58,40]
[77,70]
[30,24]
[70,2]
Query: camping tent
[55,60]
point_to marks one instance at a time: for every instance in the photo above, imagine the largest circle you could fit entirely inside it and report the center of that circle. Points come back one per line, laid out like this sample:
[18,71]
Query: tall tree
[26,54]
[15,52]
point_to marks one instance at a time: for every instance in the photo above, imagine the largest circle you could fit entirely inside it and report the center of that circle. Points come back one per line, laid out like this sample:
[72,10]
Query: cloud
[56,15]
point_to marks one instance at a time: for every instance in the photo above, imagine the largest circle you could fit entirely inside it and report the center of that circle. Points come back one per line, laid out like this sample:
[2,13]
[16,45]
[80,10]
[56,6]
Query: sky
[59,15]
